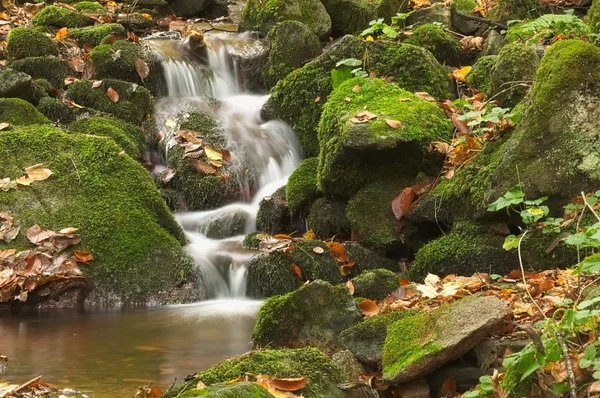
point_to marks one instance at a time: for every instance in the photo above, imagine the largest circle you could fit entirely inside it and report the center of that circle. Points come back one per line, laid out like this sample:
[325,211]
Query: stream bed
[109,353]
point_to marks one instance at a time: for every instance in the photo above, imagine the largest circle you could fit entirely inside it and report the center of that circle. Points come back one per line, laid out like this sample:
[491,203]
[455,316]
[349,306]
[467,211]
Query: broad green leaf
[338,76]
[590,352]
[390,32]
[511,242]
[349,62]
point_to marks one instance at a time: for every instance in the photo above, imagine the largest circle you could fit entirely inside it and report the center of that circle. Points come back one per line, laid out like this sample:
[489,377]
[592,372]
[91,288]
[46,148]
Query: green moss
[263,16]
[60,17]
[307,362]
[547,28]
[225,225]
[52,69]
[376,284]
[128,137]
[292,45]
[367,259]
[301,189]
[133,105]
[347,145]
[313,316]
[410,67]
[108,65]
[43,88]
[407,341]
[94,34]
[90,7]
[208,126]
[444,47]
[272,274]
[273,214]
[27,42]
[110,198]
[508,10]
[56,110]
[463,6]
[516,63]
[327,218]
[250,241]
[18,112]
[230,390]
[480,75]
[366,339]
[592,17]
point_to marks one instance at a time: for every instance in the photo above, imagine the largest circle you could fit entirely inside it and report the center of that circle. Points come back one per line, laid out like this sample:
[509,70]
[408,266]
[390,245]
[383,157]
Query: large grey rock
[493,43]
[15,84]
[419,344]
[436,13]
[314,315]
[346,361]
[195,8]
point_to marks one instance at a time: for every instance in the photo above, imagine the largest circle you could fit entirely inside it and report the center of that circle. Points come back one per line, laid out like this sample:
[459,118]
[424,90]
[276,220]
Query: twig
[590,207]
[76,170]
[513,85]
[523,276]
[27,384]
[563,345]
[483,20]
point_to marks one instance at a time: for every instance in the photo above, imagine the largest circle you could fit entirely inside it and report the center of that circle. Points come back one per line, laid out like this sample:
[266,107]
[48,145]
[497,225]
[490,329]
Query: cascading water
[271,150]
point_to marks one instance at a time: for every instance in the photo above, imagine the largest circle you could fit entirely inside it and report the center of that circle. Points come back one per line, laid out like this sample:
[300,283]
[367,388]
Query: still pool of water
[110,353]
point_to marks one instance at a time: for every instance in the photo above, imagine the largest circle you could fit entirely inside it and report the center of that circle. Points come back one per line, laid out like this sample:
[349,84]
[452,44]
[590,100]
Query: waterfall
[272,150]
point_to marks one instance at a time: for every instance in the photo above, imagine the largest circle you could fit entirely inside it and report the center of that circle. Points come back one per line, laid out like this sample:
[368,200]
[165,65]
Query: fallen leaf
[204,168]
[338,251]
[212,153]
[61,34]
[34,173]
[318,250]
[426,96]
[402,202]
[171,123]
[395,124]
[290,384]
[113,95]
[309,235]
[83,256]
[216,163]
[226,155]
[356,88]
[4,126]
[363,117]
[318,99]
[7,184]
[167,175]
[350,287]
[297,270]
[70,80]
[448,389]
[68,231]
[471,43]
[142,69]
[368,308]
[460,74]
[346,269]
[348,99]
[97,84]
[37,235]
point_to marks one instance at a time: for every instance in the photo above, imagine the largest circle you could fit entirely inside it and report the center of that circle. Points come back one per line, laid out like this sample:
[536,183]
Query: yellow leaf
[111,4]
[171,123]
[460,74]
[147,16]
[61,34]
[309,235]
[212,153]
[370,38]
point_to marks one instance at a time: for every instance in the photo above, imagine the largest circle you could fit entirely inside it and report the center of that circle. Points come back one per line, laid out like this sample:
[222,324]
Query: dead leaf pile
[43,270]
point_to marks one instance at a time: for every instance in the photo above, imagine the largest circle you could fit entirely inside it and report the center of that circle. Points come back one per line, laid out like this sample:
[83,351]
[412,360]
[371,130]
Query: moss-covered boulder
[467,249]
[274,273]
[592,17]
[225,225]
[301,189]
[199,191]
[367,259]
[110,198]
[366,339]
[353,16]
[229,390]
[460,23]
[28,42]
[437,13]
[18,112]
[262,16]
[90,7]
[352,154]
[480,76]
[327,218]
[14,84]
[133,105]
[209,9]
[554,147]
[56,110]
[312,316]
[95,34]
[292,45]
[376,284]
[60,17]
[509,10]
[493,43]
[322,374]
[516,64]
[50,68]
[123,67]
[127,136]
[444,47]
[273,215]
[418,344]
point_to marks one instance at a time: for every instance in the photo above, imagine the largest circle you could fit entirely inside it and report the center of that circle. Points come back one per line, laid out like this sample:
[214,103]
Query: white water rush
[270,148]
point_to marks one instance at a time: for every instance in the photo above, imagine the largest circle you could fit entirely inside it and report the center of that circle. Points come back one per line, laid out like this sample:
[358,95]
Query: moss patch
[480,76]
[507,10]
[444,47]
[301,189]
[110,198]
[327,218]
[516,62]
[52,69]
[90,7]
[230,390]
[60,17]
[18,112]
[94,34]
[56,110]
[107,65]
[28,42]
[127,136]
[376,284]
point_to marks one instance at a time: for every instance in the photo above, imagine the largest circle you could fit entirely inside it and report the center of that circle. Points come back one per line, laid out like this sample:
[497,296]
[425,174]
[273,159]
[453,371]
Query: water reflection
[109,353]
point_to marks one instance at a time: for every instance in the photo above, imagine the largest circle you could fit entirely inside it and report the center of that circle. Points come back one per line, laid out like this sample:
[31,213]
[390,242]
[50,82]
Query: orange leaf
[395,124]
[338,251]
[368,308]
[460,75]
[309,235]
[204,168]
[297,270]
[83,256]
[347,268]
[113,95]
[283,236]
[289,384]
[62,33]
[402,202]
[404,281]
[142,69]
[448,389]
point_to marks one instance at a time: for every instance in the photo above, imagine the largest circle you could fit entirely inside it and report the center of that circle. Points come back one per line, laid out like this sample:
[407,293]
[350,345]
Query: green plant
[347,69]
[549,28]
[487,119]
[381,30]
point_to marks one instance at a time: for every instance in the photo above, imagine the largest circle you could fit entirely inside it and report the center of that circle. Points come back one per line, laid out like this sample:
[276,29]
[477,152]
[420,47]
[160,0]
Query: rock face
[50,68]
[516,62]
[60,17]
[416,345]
[353,16]
[444,47]
[322,373]
[262,16]
[312,316]
[376,284]
[16,85]
[480,75]
[110,198]
[366,339]
[351,153]
[230,390]
[301,189]
[210,9]
[292,45]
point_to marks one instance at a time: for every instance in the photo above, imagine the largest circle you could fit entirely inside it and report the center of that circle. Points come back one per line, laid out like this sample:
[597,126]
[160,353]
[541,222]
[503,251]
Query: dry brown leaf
[204,168]
[226,155]
[83,256]
[348,99]
[142,69]
[356,88]
[113,95]
[289,384]
[368,308]
[338,251]
[363,117]
[4,126]
[402,202]
[297,270]
[7,184]
[318,99]
[395,124]
[70,80]
[167,175]
[442,147]
[471,43]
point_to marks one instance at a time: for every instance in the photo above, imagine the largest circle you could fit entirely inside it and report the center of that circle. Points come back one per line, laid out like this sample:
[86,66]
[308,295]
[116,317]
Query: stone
[480,75]
[417,345]
[346,361]
[301,189]
[14,84]
[493,43]
[230,390]
[273,215]
[56,110]
[413,389]
[353,16]
[312,316]
[509,10]
[490,352]
[189,8]
[28,42]
[376,284]
[444,47]
[327,218]
[60,17]
[436,13]
[463,25]
[18,112]
[516,63]
[95,34]
[50,68]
